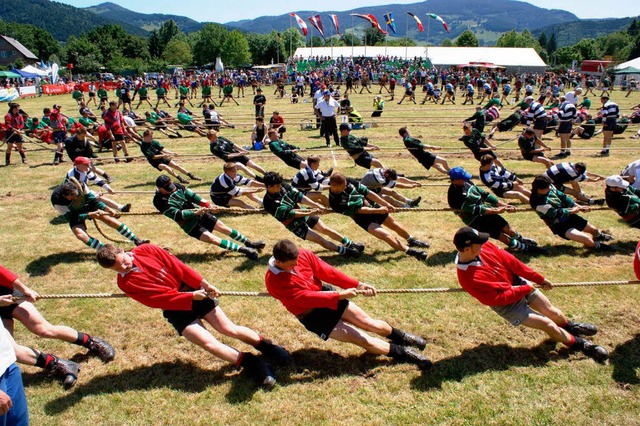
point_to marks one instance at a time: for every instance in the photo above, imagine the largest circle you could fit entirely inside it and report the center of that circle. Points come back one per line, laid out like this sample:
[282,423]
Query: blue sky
[211,11]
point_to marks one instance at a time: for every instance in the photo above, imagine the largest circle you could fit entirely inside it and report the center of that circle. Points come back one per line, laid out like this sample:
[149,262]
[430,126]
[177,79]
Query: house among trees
[12,51]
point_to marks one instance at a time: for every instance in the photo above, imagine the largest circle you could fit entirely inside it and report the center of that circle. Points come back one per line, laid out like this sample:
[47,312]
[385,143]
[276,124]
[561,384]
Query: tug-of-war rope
[378,291]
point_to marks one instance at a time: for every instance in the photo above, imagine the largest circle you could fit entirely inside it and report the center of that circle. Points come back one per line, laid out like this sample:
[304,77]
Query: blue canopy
[25,74]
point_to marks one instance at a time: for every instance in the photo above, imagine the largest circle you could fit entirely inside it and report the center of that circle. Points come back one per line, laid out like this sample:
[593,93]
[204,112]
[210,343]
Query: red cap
[81,160]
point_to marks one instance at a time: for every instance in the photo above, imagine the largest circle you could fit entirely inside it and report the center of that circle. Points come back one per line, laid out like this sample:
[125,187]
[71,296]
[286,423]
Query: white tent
[513,58]
[632,63]
[33,70]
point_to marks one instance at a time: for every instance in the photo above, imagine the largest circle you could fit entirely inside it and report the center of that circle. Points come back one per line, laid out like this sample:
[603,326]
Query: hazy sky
[212,11]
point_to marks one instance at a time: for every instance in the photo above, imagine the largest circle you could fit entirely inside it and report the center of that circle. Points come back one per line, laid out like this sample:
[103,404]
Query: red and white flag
[420,26]
[317,24]
[372,20]
[301,24]
[334,19]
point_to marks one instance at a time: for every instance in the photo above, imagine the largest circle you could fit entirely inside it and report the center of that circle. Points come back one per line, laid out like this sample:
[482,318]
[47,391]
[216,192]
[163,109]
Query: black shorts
[221,199]
[492,224]
[564,127]
[156,163]
[125,99]
[59,136]
[364,220]
[143,98]
[293,161]
[609,125]
[585,135]
[92,94]
[573,221]
[301,229]
[15,138]
[104,99]
[364,160]
[540,124]
[6,312]
[189,127]
[322,321]
[506,125]
[242,160]
[199,308]
[75,220]
[206,223]
[530,156]
[478,155]
[427,159]
[117,138]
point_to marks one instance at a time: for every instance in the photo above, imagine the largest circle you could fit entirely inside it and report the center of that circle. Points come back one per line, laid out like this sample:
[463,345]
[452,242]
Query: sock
[82,340]
[94,243]
[395,335]
[7,158]
[599,234]
[228,245]
[22,155]
[126,232]
[235,235]
[246,359]
[590,201]
[395,351]
[516,245]
[346,241]
[598,244]
[518,236]
[42,360]
[572,342]
[342,249]
[411,238]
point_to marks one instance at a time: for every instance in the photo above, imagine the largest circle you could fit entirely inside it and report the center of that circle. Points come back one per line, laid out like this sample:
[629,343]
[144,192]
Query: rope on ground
[113,240]
[379,291]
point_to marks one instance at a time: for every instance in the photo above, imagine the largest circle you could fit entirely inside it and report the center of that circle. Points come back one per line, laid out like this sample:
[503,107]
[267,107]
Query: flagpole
[290,37]
[428,30]
[406,39]
[352,36]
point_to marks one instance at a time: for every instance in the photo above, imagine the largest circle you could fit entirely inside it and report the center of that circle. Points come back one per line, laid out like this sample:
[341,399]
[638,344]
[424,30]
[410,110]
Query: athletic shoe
[590,349]
[528,241]
[101,349]
[603,237]
[128,160]
[604,247]
[604,152]
[126,208]
[109,179]
[259,179]
[138,242]
[349,252]
[259,370]
[418,254]
[276,353]
[179,135]
[415,202]
[411,356]
[258,245]
[183,180]
[356,245]
[328,172]
[408,339]
[249,252]
[192,176]
[414,242]
[599,201]
[64,369]
[535,250]
[581,328]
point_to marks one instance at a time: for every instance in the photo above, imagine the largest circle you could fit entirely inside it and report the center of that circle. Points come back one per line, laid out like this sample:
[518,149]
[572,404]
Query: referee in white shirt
[326,111]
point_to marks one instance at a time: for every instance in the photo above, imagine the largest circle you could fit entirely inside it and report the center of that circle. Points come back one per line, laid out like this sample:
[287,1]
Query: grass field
[485,371]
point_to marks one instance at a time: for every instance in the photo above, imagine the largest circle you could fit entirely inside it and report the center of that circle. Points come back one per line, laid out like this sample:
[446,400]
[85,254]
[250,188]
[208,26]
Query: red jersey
[14,121]
[103,133]
[7,277]
[112,120]
[301,289]
[156,278]
[489,278]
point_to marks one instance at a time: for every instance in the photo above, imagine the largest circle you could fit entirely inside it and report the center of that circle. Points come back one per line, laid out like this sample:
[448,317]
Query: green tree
[315,41]
[374,37]
[634,49]
[616,44]
[552,46]
[588,49]
[467,39]
[235,51]
[154,44]
[135,47]
[208,45]
[542,40]
[351,39]
[167,31]
[291,40]
[564,56]
[80,51]
[404,41]
[634,28]
[446,43]
[178,52]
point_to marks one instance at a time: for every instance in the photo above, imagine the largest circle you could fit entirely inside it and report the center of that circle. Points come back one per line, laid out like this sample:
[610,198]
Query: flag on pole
[334,19]
[317,24]
[418,21]
[301,24]
[391,23]
[372,20]
[438,18]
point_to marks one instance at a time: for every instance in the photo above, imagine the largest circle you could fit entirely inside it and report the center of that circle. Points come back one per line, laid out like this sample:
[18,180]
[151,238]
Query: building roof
[632,63]
[19,47]
[504,56]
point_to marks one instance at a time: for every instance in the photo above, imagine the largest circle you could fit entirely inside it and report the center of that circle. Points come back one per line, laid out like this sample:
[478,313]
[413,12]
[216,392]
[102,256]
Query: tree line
[111,47]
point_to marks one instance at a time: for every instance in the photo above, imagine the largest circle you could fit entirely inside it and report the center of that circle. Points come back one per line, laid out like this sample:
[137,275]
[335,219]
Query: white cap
[616,181]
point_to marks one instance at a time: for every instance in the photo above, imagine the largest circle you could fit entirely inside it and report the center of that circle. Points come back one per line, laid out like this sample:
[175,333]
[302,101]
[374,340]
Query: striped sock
[346,241]
[342,249]
[235,235]
[94,243]
[516,245]
[126,232]
[229,245]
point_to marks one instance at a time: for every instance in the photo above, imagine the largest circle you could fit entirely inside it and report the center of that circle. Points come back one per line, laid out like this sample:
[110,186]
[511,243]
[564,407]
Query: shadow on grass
[179,376]
[58,220]
[441,258]
[142,185]
[485,358]
[625,359]
[337,260]
[43,265]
